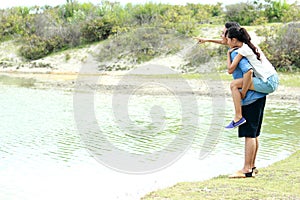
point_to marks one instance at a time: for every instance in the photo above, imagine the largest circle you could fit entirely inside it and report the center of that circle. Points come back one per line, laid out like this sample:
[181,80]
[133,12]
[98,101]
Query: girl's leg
[236,96]
[239,84]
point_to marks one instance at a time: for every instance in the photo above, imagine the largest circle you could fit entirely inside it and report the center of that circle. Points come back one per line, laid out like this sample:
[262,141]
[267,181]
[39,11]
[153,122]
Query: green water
[43,156]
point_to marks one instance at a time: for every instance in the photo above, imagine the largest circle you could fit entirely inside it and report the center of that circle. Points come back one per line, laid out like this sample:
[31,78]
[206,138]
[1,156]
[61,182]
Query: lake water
[44,156]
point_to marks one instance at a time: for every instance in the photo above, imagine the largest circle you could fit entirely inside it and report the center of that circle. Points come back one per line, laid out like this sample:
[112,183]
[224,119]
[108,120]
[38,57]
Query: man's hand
[200,40]
[243,94]
[247,80]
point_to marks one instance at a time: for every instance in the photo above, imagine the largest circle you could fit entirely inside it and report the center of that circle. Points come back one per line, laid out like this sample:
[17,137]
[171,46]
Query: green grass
[287,79]
[211,76]
[280,180]
[22,82]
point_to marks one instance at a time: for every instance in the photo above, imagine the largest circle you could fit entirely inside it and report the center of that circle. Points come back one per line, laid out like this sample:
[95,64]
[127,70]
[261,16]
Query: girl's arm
[232,65]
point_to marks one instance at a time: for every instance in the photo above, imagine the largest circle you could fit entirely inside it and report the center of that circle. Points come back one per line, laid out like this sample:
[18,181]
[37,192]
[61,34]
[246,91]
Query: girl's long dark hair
[242,35]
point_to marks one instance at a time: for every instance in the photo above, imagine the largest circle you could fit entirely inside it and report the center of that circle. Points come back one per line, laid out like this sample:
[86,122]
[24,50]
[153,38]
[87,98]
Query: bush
[281,46]
[49,34]
[96,30]
[292,14]
[147,13]
[243,13]
[275,10]
[260,21]
[14,22]
[35,47]
[48,27]
[178,18]
[139,45]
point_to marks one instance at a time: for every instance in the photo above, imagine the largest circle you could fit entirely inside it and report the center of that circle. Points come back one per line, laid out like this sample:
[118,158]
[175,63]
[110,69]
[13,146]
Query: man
[252,110]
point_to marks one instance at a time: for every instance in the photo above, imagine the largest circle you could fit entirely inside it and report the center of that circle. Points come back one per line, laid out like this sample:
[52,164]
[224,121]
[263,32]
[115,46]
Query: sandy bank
[125,82]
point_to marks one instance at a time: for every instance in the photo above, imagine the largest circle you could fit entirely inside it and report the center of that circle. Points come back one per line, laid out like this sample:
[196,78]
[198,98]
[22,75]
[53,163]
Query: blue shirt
[243,67]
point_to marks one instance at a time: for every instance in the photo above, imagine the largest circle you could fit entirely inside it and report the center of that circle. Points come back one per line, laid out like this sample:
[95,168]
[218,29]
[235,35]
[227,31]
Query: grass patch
[286,79]
[280,180]
[21,82]
[210,76]
[289,79]
[203,76]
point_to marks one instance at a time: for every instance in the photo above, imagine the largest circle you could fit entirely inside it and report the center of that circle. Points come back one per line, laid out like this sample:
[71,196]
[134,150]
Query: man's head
[227,26]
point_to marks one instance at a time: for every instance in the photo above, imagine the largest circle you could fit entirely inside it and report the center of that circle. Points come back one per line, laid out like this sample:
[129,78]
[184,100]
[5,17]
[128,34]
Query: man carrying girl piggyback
[254,78]
[265,78]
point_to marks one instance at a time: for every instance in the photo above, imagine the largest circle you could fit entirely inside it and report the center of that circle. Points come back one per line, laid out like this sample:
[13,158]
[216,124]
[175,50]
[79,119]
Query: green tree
[292,14]
[147,13]
[202,13]
[178,18]
[274,10]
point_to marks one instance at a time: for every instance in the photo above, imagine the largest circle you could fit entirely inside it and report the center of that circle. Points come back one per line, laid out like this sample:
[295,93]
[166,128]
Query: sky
[29,3]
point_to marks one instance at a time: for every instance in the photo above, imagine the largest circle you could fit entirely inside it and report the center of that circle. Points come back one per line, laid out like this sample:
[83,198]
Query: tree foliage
[272,10]
[275,10]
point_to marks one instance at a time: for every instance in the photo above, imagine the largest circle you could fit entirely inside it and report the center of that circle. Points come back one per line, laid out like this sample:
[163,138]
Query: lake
[45,154]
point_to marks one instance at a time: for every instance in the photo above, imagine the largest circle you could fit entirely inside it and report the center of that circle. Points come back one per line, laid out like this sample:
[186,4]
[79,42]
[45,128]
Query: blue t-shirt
[243,67]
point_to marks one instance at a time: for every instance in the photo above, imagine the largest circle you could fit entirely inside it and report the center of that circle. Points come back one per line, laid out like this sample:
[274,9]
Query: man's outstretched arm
[203,40]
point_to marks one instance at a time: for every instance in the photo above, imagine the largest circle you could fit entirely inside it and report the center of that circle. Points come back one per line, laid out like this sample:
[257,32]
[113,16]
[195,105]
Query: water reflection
[39,138]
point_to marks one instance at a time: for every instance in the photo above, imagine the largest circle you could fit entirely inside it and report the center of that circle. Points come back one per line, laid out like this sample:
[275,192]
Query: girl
[265,80]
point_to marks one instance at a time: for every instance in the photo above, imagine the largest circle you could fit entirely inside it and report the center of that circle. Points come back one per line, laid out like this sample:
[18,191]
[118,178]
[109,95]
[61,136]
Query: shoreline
[124,82]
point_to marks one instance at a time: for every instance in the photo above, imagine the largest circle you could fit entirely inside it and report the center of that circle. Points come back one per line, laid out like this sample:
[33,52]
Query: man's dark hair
[231,24]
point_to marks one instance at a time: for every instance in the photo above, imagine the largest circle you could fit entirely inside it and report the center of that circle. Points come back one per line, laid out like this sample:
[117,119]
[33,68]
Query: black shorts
[253,113]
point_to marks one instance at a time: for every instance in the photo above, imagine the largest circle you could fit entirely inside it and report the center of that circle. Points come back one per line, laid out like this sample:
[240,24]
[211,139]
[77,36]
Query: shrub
[244,13]
[139,45]
[260,21]
[292,14]
[275,10]
[96,30]
[178,18]
[35,47]
[46,26]
[49,34]
[146,14]
[281,46]
[14,22]
[205,13]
